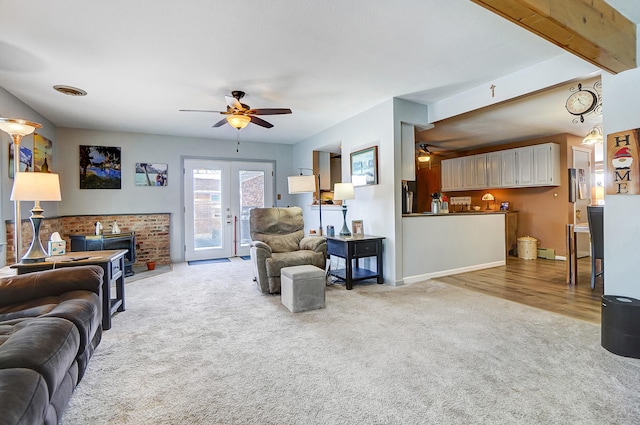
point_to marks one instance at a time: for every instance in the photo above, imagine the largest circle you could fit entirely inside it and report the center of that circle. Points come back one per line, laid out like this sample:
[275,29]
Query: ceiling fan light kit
[424,155]
[238,121]
[240,115]
[594,136]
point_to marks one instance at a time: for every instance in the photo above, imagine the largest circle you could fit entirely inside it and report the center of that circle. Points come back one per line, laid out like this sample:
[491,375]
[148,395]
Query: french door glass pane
[251,196]
[207,209]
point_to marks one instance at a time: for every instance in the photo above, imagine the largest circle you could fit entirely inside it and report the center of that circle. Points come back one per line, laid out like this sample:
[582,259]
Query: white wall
[169,150]
[621,219]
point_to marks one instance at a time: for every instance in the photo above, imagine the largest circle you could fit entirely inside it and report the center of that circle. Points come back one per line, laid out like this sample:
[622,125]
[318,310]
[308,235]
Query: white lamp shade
[343,191]
[488,197]
[17,126]
[36,187]
[301,184]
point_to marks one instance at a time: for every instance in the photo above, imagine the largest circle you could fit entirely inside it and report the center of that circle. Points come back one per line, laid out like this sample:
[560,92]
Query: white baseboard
[427,276]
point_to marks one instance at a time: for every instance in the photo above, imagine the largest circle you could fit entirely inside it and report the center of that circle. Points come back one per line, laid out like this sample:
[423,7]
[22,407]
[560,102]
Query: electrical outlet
[279,197]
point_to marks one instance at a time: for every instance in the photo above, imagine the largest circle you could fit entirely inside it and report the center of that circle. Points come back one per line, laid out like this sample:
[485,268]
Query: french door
[217,197]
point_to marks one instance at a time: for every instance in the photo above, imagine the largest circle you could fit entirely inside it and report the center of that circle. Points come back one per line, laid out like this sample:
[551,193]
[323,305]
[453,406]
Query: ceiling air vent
[71,91]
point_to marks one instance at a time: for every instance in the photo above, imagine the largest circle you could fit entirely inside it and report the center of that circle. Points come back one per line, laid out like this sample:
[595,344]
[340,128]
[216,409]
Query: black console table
[352,248]
[108,242]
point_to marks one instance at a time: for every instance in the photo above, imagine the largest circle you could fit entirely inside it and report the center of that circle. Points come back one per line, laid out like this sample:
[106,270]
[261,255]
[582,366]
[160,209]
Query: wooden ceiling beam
[590,29]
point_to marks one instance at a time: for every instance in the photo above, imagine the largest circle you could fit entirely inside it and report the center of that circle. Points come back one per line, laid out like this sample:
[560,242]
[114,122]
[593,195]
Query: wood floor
[538,283]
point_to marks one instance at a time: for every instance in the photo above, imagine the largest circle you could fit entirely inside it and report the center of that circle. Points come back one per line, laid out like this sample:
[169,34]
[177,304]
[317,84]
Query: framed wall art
[151,174]
[42,153]
[100,167]
[364,166]
[26,159]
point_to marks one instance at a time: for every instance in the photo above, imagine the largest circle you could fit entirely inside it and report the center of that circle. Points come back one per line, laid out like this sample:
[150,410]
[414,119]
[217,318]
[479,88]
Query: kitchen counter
[435,245]
[481,212]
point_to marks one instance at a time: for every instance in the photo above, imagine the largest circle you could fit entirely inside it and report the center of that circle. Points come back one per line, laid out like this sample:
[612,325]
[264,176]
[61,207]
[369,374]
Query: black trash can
[620,331]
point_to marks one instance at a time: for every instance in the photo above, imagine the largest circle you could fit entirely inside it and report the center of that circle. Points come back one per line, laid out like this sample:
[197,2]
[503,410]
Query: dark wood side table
[112,262]
[352,248]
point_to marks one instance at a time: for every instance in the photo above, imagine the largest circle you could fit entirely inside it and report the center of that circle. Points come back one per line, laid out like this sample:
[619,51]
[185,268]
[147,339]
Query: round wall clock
[582,102]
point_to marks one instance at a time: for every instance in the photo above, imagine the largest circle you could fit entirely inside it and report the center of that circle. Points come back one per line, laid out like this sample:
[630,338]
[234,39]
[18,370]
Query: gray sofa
[50,325]
[278,241]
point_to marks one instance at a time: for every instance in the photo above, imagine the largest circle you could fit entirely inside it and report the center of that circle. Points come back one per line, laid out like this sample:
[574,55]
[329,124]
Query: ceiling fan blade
[269,111]
[220,123]
[233,102]
[260,122]
[199,110]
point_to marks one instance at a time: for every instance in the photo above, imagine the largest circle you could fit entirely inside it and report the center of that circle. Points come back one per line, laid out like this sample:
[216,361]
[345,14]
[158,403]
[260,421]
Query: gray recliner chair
[277,241]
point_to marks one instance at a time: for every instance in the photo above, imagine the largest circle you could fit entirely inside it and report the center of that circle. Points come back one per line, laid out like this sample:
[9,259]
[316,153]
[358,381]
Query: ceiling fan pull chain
[238,140]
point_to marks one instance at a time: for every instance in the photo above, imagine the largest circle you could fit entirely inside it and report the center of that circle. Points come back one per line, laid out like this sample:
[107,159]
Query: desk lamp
[488,197]
[35,187]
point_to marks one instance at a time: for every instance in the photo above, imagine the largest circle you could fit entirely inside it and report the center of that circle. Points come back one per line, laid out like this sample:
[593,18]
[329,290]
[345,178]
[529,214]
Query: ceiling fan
[239,115]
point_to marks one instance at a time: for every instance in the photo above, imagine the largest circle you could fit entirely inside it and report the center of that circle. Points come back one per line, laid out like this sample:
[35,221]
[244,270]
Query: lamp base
[345,230]
[36,252]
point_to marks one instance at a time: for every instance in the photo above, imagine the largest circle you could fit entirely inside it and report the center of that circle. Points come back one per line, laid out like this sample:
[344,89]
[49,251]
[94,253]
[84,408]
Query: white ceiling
[141,61]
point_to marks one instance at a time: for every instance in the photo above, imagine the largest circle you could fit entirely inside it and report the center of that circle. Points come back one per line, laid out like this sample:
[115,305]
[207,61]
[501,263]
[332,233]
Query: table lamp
[35,187]
[488,197]
[306,184]
[342,192]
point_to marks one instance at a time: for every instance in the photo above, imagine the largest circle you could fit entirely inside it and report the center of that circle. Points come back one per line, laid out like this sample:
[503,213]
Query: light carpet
[201,345]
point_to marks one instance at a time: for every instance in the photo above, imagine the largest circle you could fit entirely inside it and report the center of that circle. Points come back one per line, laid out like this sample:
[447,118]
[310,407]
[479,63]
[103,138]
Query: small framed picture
[504,206]
[356,227]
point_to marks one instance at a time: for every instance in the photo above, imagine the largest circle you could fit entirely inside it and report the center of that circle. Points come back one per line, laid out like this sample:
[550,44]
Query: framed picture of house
[364,166]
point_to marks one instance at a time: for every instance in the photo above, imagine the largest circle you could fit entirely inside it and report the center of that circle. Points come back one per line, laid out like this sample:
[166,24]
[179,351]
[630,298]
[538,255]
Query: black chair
[595,215]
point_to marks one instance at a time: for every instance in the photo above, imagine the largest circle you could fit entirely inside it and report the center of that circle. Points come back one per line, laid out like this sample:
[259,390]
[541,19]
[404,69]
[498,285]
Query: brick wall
[151,230]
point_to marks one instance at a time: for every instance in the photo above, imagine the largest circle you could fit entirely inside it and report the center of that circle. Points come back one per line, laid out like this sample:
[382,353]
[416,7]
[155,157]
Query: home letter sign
[623,176]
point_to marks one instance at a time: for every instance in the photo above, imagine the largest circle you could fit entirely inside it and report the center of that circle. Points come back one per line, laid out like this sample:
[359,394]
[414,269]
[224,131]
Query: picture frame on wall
[357,227]
[42,153]
[26,159]
[151,174]
[100,167]
[364,166]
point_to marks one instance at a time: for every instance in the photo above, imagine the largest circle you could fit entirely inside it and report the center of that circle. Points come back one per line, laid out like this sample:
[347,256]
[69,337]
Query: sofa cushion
[47,345]
[297,258]
[23,396]
[23,288]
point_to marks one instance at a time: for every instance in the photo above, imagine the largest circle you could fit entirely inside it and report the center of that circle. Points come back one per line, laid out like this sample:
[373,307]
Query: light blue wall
[170,150]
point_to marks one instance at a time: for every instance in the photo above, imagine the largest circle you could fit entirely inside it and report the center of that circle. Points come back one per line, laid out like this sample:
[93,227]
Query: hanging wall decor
[623,176]
[42,153]
[149,174]
[364,166]
[100,167]
[26,159]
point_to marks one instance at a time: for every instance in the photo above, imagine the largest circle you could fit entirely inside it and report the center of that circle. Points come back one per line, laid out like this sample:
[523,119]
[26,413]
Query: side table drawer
[336,248]
[365,249]
[115,267]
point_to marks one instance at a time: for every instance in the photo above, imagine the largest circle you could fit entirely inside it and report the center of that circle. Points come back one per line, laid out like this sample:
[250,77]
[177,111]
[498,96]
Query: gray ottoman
[302,288]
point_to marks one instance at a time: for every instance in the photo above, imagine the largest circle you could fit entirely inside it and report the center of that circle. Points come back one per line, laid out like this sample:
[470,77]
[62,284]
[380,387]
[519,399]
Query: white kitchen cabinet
[452,174]
[470,175]
[494,169]
[524,159]
[481,171]
[529,166]
[509,168]
[546,160]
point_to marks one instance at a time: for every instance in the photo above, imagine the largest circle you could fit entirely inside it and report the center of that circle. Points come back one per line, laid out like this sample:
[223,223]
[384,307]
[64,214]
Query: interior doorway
[218,196]
[582,165]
